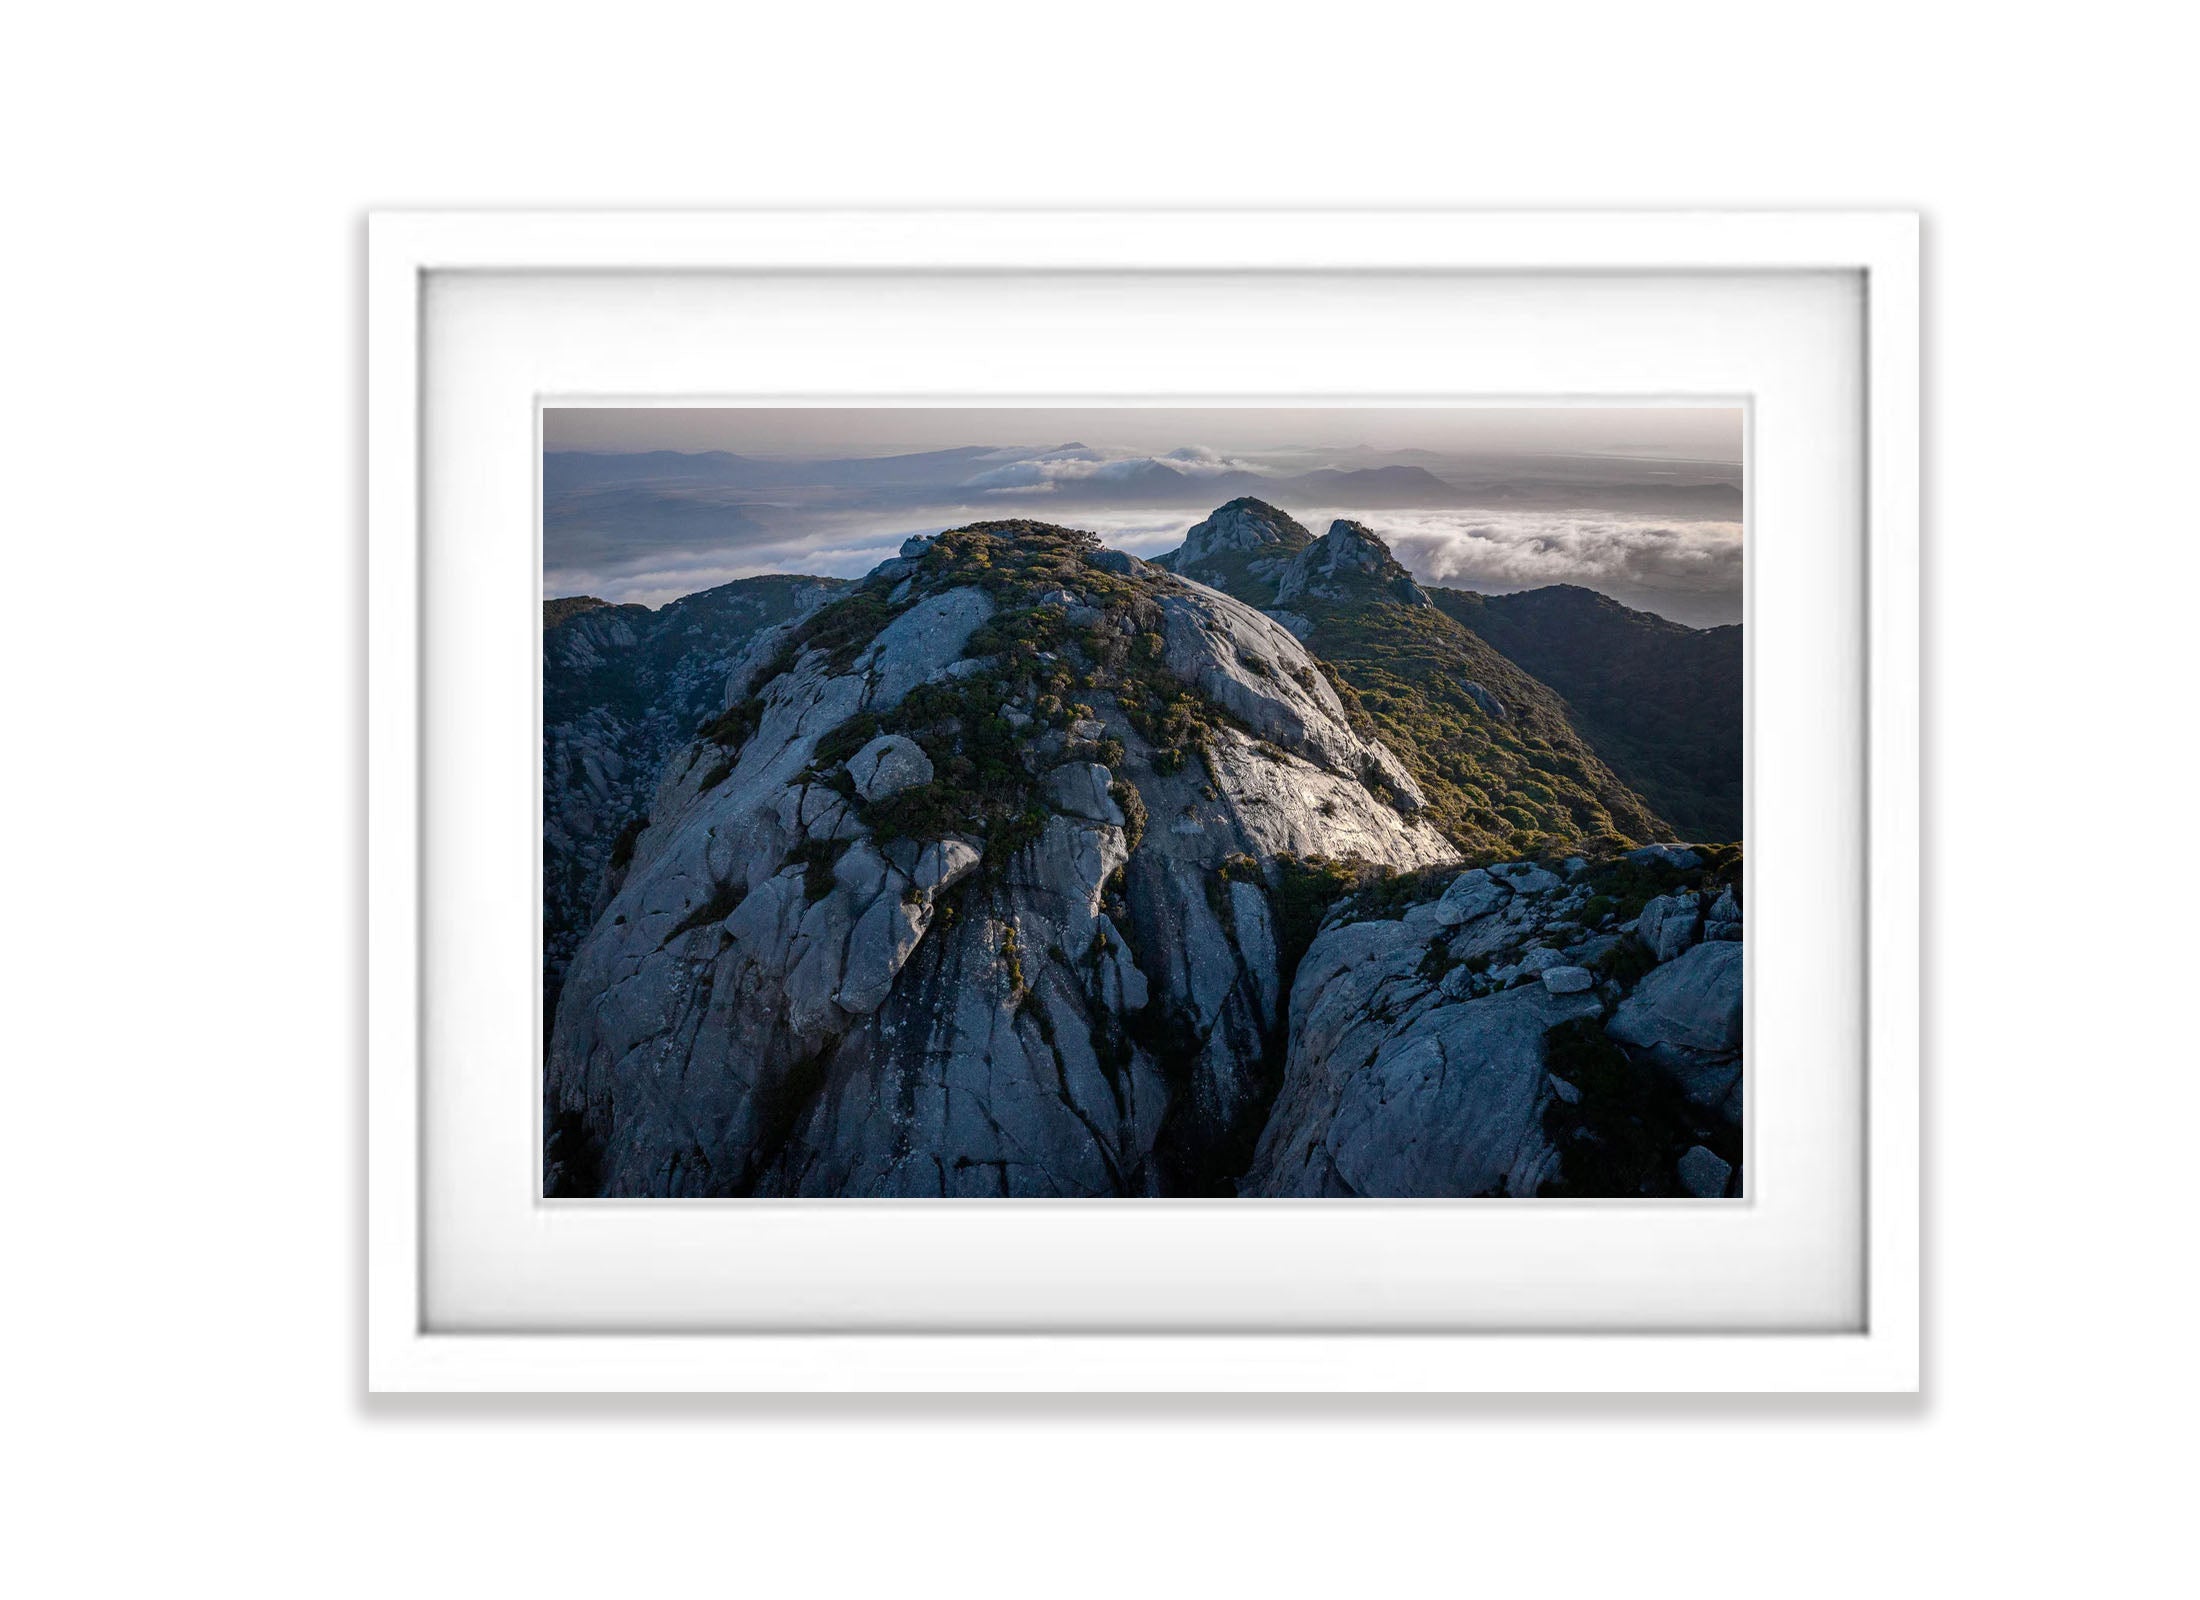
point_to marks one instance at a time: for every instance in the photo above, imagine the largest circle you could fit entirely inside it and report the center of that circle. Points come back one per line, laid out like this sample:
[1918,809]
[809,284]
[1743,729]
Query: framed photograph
[1143,801]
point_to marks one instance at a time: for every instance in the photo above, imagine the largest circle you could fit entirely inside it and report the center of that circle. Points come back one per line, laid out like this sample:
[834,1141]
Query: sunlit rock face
[1023,869]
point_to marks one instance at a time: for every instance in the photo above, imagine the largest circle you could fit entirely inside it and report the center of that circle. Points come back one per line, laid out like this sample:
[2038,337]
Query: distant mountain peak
[1395,485]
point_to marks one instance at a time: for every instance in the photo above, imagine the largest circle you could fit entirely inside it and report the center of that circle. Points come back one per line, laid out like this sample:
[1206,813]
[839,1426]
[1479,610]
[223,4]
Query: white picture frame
[408,1351]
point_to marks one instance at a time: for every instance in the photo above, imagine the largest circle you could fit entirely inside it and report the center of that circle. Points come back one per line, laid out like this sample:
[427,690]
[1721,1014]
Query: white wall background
[182,661]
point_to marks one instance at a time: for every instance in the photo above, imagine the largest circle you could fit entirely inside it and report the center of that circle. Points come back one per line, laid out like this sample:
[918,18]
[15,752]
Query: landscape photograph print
[1218,802]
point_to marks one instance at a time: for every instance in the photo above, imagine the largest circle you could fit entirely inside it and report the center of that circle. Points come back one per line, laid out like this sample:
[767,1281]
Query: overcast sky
[1698,433]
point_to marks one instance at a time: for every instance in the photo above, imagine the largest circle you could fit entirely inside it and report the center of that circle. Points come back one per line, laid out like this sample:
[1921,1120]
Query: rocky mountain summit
[1493,749]
[1245,541]
[1348,562]
[934,907]
[1024,867]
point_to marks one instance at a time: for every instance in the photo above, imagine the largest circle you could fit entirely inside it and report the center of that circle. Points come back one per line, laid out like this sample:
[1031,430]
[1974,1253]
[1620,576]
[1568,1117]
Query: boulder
[1568,980]
[1120,562]
[1692,1003]
[944,863]
[1686,1016]
[887,765]
[1676,856]
[1667,925]
[1080,788]
[1703,1174]
[1526,877]
[1472,894]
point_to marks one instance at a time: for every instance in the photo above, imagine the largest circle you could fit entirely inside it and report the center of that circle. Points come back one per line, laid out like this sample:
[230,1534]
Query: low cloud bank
[1081,464]
[1690,571]
[641,567]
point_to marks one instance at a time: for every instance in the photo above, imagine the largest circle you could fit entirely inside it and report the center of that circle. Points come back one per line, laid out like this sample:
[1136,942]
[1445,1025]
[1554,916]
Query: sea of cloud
[651,572]
[1685,569]
[1689,570]
[1042,472]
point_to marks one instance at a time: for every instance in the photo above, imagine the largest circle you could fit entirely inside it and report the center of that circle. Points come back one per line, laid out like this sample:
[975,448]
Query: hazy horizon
[1641,503]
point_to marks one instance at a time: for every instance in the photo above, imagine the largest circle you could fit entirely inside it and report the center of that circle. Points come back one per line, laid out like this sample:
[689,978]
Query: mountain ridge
[1025,867]
[1661,702]
[1492,743]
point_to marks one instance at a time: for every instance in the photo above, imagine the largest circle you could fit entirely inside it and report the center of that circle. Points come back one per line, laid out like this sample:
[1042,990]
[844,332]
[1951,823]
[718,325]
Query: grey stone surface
[1703,1174]
[623,691]
[1691,1003]
[1081,789]
[1686,1016]
[887,765]
[1270,806]
[1121,562]
[1474,893]
[1668,925]
[1525,877]
[1412,1096]
[945,863]
[923,1019]
[921,640]
[1211,642]
[1243,527]
[1345,558]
